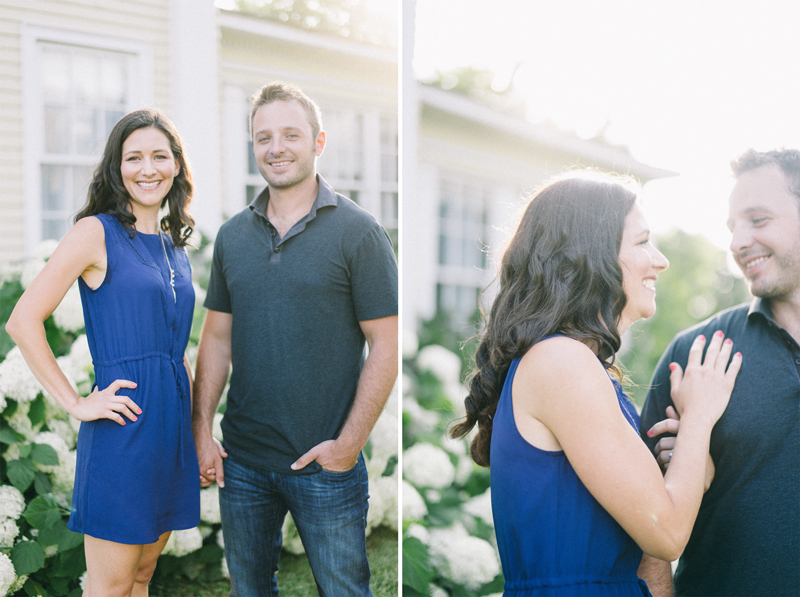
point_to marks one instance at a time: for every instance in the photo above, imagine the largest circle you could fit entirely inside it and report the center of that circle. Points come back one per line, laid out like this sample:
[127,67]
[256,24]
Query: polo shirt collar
[325,197]
[760,307]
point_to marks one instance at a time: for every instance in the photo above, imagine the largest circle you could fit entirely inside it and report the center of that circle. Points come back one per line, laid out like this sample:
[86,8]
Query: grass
[295,578]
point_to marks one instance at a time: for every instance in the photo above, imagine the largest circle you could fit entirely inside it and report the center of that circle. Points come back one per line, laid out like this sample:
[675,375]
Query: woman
[576,495]
[137,476]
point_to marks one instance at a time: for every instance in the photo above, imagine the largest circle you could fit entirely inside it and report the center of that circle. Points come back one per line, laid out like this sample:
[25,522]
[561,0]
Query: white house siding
[143,21]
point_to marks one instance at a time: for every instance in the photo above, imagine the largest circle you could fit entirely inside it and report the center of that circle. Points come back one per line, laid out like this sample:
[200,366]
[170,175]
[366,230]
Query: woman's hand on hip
[106,404]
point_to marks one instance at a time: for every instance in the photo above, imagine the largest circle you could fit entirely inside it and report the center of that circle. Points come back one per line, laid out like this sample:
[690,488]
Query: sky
[685,86]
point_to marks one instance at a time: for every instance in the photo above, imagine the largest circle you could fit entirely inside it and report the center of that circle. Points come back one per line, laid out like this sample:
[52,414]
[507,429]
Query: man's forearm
[657,574]
[213,369]
[374,386]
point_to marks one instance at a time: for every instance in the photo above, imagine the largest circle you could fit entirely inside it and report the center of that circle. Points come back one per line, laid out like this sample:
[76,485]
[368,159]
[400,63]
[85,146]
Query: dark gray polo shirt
[296,301]
[746,540]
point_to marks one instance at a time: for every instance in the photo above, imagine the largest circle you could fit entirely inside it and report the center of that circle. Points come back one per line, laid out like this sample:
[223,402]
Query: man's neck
[287,206]
[786,313]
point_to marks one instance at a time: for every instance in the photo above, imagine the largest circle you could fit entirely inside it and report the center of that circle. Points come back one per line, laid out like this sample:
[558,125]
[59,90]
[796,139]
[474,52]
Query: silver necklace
[171,271]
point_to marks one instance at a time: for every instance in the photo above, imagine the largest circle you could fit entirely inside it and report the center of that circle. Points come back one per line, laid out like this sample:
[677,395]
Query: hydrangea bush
[449,546]
[38,554]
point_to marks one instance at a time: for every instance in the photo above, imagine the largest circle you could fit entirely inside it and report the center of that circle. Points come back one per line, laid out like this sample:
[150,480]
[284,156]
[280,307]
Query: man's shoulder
[236,222]
[349,211]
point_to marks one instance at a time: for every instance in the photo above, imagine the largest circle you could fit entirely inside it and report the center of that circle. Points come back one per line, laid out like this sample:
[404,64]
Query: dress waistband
[176,370]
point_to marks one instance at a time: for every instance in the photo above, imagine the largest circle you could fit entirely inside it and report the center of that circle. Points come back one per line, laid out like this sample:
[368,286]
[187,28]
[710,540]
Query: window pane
[252,168]
[112,117]
[86,77]
[57,129]
[56,188]
[81,177]
[389,209]
[87,130]
[114,73]
[55,76]
[54,228]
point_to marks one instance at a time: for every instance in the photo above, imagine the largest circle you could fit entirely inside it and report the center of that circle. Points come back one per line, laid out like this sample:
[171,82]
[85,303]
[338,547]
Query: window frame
[140,86]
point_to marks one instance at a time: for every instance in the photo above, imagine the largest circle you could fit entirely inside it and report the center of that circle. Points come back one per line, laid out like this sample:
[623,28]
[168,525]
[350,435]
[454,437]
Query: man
[746,540]
[300,280]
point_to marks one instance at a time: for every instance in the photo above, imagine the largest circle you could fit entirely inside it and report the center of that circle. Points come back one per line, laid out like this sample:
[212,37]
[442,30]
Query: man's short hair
[788,160]
[279,91]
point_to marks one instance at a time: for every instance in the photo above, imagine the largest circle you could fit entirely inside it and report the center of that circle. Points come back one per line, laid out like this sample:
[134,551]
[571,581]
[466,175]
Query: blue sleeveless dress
[137,481]
[554,538]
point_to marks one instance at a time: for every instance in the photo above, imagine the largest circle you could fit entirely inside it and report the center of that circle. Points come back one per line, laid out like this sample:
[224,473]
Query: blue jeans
[330,511]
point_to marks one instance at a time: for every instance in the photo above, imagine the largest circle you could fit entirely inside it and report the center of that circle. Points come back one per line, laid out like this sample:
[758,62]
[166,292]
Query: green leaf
[44,454]
[20,473]
[43,512]
[34,589]
[60,535]
[27,556]
[417,570]
[41,483]
[211,553]
[70,563]
[37,410]
[9,436]
[25,450]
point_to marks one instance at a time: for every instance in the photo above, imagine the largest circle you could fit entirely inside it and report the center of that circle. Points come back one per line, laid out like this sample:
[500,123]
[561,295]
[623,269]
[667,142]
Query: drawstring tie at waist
[176,370]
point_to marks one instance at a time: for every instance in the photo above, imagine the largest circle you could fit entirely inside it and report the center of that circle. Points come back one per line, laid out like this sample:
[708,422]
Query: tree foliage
[353,19]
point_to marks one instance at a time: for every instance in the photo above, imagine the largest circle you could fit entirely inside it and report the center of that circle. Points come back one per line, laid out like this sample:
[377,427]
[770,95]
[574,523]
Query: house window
[75,88]
[84,94]
[463,229]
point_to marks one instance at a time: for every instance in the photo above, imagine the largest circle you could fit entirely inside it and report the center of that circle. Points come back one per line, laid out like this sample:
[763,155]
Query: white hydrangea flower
[410,344]
[420,532]
[388,487]
[82,579]
[16,379]
[18,584]
[205,531]
[57,443]
[291,538]
[8,532]
[433,496]
[426,465]
[63,476]
[65,431]
[68,316]
[31,269]
[81,358]
[183,542]
[199,294]
[437,591]
[220,539]
[480,506]
[7,574]
[11,453]
[50,550]
[44,250]
[464,469]
[21,423]
[225,571]
[3,402]
[464,559]
[384,443]
[441,362]
[414,507]
[216,427]
[208,252]
[377,507]
[422,419]
[12,502]
[408,386]
[456,446]
[209,505]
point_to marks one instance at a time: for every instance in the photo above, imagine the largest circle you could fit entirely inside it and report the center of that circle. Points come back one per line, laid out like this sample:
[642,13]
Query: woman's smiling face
[641,263]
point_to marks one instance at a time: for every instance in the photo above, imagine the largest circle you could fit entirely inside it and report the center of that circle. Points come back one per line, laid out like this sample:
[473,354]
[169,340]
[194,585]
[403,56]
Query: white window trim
[140,84]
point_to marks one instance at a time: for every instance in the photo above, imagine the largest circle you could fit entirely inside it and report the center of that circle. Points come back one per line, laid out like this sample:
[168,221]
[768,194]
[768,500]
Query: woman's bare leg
[147,565]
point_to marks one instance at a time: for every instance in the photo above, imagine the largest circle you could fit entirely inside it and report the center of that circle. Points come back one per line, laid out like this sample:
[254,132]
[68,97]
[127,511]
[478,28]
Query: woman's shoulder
[560,362]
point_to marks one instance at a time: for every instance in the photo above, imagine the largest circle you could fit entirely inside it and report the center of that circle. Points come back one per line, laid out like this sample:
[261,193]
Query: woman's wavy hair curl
[107,192]
[560,274]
